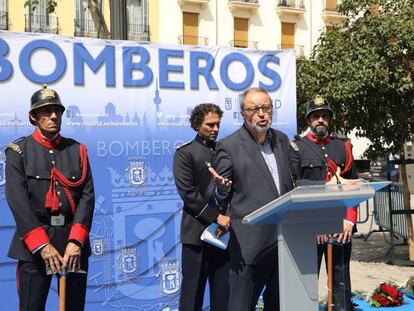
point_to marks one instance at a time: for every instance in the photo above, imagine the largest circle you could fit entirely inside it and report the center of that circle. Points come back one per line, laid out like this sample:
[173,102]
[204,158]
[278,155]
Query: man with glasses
[320,158]
[50,191]
[251,170]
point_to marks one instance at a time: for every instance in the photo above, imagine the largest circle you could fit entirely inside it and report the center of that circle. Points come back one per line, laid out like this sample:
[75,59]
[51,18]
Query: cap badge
[46,92]
[319,100]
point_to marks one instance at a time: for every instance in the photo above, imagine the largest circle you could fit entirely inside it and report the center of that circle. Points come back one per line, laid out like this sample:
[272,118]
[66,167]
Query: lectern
[301,215]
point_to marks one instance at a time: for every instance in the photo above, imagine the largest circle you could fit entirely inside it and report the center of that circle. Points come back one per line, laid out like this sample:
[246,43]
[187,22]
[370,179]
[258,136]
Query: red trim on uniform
[50,144]
[323,141]
[352,214]
[348,151]
[52,199]
[35,238]
[79,233]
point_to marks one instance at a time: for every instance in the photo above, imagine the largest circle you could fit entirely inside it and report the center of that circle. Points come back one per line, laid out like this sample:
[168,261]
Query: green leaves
[365,70]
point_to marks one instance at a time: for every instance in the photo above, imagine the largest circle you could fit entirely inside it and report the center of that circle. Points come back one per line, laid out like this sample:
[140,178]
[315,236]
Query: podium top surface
[314,197]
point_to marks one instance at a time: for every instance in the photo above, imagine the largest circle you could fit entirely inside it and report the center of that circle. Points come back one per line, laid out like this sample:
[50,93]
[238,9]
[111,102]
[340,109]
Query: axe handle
[62,293]
[329,276]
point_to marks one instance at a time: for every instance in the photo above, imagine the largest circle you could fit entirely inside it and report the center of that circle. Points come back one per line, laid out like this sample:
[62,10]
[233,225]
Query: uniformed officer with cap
[50,192]
[320,158]
[200,261]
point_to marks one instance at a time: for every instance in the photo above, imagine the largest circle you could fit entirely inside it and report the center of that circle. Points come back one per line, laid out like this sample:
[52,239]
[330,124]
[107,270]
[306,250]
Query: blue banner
[130,104]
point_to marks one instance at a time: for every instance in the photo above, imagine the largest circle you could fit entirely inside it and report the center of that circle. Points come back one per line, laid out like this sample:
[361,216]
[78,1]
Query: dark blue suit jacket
[238,157]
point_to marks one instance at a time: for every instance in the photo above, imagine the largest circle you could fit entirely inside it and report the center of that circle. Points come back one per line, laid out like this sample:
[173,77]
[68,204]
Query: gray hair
[252,90]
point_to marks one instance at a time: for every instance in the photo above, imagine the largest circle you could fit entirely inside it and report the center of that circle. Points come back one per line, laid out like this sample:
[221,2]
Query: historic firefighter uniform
[201,261]
[315,161]
[50,192]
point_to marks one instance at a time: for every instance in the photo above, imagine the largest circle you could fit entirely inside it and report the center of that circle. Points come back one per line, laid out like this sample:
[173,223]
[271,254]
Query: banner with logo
[130,103]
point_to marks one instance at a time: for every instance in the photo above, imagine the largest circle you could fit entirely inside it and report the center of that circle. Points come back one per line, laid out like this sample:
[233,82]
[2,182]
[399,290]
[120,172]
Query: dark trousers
[341,280]
[33,287]
[247,283]
[199,264]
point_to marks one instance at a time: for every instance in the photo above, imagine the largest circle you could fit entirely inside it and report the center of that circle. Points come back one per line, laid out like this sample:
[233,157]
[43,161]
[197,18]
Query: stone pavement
[369,261]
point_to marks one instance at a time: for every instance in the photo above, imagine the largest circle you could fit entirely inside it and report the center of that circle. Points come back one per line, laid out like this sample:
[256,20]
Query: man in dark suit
[251,170]
[50,191]
[200,261]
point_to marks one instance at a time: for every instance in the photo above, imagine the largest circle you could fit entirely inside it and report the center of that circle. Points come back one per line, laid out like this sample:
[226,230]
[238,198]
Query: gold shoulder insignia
[15,148]
[294,146]
[185,144]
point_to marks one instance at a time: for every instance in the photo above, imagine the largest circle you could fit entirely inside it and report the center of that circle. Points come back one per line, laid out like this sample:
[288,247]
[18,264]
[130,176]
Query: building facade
[72,18]
[257,24]
[260,24]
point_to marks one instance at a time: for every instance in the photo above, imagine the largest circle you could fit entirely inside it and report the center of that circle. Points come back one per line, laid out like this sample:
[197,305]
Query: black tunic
[28,179]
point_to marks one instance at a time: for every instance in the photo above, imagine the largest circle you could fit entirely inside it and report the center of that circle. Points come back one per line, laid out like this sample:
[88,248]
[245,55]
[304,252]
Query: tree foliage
[364,67]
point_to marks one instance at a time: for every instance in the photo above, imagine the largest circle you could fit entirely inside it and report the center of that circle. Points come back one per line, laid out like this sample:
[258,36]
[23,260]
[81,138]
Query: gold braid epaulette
[15,148]
[294,146]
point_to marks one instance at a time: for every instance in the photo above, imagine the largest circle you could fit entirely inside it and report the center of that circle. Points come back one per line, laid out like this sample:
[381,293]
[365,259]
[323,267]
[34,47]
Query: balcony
[292,8]
[138,32]
[192,40]
[300,49]
[43,23]
[330,14]
[85,28]
[244,5]
[200,3]
[244,44]
[4,20]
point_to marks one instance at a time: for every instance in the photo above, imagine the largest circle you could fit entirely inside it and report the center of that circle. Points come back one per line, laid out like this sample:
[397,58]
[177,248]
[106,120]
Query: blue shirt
[268,155]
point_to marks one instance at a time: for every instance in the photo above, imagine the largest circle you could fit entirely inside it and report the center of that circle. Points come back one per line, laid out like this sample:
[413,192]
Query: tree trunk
[98,18]
[407,205]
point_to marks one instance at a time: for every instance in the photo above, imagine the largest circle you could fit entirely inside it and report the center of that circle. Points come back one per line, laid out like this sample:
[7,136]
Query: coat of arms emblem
[136,173]
[128,260]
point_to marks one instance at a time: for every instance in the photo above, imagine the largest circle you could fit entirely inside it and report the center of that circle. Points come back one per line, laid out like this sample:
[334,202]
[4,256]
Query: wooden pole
[329,274]
[62,290]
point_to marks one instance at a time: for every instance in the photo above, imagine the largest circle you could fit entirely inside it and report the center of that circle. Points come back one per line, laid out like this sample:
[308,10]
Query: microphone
[297,137]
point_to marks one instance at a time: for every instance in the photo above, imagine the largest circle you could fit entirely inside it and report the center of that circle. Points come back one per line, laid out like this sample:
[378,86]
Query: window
[137,20]
[3,15]
[288,36]
[330,5]
[84,25]
[38,19]
[241,26]
[190,28]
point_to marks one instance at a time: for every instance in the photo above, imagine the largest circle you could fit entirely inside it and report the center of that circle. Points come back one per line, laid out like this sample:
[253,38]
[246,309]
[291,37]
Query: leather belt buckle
[57,220]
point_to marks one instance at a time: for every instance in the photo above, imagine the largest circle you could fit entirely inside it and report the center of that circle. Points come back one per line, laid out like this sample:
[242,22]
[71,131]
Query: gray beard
[320,134]
[258,129]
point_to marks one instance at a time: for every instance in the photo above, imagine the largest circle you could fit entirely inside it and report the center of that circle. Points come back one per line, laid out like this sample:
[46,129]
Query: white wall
[216,23]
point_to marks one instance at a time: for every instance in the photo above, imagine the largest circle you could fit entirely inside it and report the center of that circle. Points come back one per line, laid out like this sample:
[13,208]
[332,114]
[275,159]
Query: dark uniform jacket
[28,167]
[309,169]
[192,179]
[238,158]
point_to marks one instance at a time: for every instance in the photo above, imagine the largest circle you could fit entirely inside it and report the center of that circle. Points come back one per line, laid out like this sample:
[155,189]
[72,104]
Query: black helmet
[318,103]
[44,97]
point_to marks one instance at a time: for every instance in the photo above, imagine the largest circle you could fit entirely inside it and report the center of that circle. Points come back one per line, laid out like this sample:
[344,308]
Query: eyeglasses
[265,109]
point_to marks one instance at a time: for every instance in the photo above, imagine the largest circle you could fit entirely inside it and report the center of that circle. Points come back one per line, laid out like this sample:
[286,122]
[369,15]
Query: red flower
[386,302]
[387,295]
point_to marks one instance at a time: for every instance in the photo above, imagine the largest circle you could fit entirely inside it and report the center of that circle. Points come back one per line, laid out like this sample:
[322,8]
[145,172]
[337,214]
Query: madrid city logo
[98,247]
[128,260]
[136,173]
[170,276]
